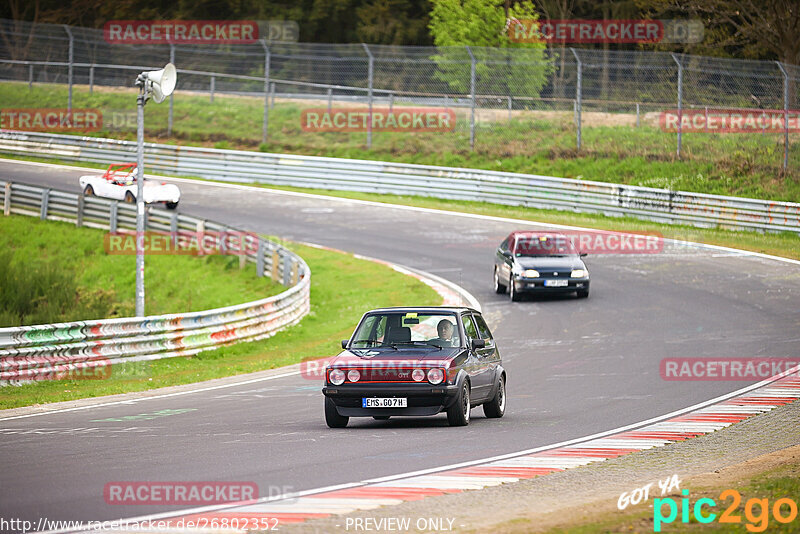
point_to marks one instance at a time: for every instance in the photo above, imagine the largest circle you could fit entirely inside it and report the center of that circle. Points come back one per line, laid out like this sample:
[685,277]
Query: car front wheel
[512,291]
[88,191]
[458,413]
[583,293]
[332,417]
[172,205]
[129,198]
[497,406]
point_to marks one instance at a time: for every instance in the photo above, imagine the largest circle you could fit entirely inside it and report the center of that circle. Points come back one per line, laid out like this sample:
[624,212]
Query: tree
[514,69]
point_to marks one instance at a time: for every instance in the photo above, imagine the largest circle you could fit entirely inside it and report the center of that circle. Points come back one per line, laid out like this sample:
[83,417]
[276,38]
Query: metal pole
[69,75]
[266,91]
[680,102]
[169,118]
[391,102]
[30,77]
[509,107]
[369,81]
[472,99]
[578,95]
[91,80]
[785,115]
[140,202]
[637,114]
[211,90]
[272,95]
[330,99]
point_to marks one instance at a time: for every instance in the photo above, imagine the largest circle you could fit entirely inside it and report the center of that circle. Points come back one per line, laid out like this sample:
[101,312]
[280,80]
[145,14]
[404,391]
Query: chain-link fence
[499,96]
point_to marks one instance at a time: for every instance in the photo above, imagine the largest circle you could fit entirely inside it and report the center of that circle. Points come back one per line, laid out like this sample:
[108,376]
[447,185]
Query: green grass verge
[54,272]
[729,164]
[342,289]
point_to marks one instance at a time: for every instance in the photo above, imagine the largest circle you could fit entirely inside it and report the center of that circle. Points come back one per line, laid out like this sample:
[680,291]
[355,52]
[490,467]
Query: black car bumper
[422,399]
[522,285]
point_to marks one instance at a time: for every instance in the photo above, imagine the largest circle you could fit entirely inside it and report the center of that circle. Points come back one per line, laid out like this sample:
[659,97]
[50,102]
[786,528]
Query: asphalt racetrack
[575,367]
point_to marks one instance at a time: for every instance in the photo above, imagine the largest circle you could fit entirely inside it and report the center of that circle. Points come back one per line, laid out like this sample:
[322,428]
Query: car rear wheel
[88,191]
[498,287]
[172,205]
[515,296]
[583,293]
[129,198]
[458,413]
[332,417]
[497,406]
[381,417]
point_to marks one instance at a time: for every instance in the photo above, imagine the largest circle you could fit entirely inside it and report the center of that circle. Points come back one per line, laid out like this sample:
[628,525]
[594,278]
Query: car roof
[535,233]
[446,309]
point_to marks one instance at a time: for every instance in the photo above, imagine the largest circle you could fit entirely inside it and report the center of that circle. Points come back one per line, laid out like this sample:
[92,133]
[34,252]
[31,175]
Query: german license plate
[379,402]
[556,283]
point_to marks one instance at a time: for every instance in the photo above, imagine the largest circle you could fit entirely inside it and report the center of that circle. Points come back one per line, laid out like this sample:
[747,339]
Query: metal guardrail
[544,192]
[76,348]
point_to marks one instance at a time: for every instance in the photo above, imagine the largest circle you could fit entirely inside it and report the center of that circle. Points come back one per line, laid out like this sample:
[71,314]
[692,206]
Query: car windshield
[398,329]
[552,245]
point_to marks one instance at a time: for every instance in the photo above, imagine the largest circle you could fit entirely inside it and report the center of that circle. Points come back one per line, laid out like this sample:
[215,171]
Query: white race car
[119,183]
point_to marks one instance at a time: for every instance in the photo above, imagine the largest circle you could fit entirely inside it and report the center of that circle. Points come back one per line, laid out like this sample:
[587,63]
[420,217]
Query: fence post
[79,218]
[637,114]
[785,115]
[7,200]
[173,228]
[272,95]
[578,96]
[371,62]
[276,264]
[330,99]
[265,126]
[91,80]
[69,75]
[680,102]
[172,96]
[391,102]
[45,202]
[211,90]
[260,258]
[510,104]
[472,99]
[30,77]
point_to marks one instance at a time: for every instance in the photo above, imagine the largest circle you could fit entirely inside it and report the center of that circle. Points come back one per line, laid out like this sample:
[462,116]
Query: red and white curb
[511,468]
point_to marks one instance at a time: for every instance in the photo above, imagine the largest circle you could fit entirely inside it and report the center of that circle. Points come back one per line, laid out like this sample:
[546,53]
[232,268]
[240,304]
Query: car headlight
[353,375]
[336,376]
[435,376]
[418,375]
[579,273]
[530,273]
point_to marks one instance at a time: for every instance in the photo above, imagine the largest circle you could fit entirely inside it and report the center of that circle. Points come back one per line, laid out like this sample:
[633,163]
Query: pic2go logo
[756,511]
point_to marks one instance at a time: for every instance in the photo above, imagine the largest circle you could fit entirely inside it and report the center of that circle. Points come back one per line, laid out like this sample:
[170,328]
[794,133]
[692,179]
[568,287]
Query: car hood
[550,262]
[402,357]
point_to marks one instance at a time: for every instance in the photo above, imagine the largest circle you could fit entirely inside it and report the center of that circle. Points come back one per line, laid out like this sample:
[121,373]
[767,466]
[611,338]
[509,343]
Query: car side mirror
[583,254]
[344,343]
[506,253]
[477,343]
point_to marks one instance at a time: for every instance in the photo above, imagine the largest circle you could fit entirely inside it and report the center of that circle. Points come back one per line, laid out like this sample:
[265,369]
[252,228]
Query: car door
[503,261]
[489,355]
[479,374]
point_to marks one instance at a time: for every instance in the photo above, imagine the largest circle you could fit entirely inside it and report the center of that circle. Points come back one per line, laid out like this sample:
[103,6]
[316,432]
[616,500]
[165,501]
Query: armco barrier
[534,191]
[66,349]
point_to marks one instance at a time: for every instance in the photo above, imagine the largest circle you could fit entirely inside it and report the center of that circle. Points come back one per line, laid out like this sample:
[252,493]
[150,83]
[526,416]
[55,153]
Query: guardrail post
[211,89]
[91,80]
[391,102]
[260,258]
[69,75]
[265,125]
[287,271]
[330,99]
[785,115]
[30,77]
[472,99]
[79,218]
[680,101]
[173,228]
[276,264]
[370,66]
[45,202]
[171,96]
[112,218]
[7,200]
[578,97]
[223,241]
[294,273]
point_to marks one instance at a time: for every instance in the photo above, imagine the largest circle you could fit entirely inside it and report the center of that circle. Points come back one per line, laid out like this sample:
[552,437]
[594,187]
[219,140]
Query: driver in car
[445,329]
